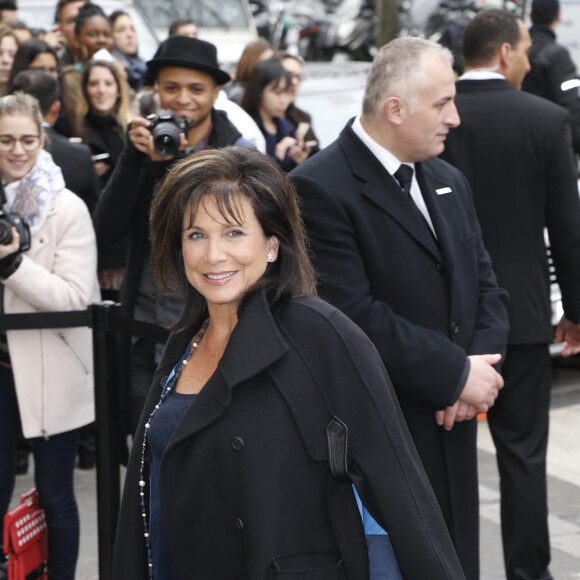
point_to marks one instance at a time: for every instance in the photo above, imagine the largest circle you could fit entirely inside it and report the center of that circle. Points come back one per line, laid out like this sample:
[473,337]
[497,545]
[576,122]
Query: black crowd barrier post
[105,319]
[108,450]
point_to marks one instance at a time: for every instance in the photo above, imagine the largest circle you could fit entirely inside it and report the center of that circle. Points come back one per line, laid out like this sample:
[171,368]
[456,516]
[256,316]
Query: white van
[226,23]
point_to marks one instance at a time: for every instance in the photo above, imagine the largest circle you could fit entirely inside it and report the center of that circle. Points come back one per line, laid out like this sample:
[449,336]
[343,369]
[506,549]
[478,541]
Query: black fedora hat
[187,52]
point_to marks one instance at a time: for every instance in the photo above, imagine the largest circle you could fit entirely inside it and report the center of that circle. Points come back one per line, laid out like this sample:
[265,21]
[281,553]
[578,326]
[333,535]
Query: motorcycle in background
[296,26]
[446,23]
[352,31]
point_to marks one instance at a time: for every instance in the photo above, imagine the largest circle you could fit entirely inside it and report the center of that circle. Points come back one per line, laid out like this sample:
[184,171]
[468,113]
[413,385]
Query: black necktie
[404,175]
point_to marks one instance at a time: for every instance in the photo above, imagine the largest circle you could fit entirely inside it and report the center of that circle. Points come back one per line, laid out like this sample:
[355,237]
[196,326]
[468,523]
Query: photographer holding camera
[187,81]
[48,262]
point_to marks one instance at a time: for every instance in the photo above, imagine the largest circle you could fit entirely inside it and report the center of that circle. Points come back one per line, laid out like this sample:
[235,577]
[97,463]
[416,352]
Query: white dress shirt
[391,164]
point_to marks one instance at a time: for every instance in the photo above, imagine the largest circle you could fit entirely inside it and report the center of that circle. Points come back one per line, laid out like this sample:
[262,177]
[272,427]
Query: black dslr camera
[9,220]
[166,128]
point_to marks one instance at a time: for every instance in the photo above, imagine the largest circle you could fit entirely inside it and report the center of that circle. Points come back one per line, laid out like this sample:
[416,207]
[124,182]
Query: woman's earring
[270,257]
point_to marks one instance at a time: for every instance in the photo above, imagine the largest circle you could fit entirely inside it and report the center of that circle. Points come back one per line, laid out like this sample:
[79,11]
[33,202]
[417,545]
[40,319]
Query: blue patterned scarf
[32,195]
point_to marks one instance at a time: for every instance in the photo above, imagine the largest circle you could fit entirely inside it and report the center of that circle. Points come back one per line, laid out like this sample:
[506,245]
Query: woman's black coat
[245,482]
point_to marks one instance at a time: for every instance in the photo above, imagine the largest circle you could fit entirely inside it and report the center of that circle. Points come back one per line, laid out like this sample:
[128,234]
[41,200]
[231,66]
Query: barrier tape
[74,318]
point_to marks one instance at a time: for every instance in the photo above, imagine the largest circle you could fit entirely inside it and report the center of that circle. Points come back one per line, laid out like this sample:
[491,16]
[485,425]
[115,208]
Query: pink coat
[53,368]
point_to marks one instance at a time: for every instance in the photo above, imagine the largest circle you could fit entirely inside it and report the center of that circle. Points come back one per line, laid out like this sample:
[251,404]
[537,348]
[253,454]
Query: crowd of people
[338,317]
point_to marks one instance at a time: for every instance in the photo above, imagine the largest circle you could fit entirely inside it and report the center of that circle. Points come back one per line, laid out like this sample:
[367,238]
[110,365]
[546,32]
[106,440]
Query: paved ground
[564,492]
[563,484]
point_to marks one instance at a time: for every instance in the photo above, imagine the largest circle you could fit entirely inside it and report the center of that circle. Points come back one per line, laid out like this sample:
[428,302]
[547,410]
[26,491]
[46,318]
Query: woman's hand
[12,247]
[298,153]
[101,167]
[54,37]
[283,146]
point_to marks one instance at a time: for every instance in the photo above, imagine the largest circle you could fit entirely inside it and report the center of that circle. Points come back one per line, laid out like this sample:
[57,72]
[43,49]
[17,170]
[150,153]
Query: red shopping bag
[25,539]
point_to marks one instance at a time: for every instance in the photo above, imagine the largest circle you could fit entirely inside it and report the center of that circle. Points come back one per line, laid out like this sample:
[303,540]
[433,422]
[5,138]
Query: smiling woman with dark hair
[35,54]
[267,407]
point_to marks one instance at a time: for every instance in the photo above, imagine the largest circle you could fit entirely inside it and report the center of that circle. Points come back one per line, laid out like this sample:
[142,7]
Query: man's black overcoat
[425,304]
[516,199]
[515,149]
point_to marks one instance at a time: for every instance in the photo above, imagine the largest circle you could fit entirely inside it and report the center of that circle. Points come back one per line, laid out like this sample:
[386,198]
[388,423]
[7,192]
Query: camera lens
[5,232]
[166,138]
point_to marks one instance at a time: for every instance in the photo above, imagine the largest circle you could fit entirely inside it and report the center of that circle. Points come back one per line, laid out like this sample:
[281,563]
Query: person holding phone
[267,96]
[294,64]
[108,112]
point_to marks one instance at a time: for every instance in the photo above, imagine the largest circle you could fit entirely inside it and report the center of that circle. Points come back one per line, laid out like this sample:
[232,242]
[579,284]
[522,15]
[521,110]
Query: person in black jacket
[107,112]
[552,74]
[188,80]
[295,66]
[405,261]
[266,99]
[272,406]
[515,150]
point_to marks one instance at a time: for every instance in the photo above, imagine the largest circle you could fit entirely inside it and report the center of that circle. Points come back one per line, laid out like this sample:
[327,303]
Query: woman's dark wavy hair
[225,175]
[265,73]
[27,52]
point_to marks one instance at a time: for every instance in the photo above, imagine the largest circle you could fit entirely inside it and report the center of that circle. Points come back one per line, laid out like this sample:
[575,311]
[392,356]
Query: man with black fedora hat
[553,74]
[187,79]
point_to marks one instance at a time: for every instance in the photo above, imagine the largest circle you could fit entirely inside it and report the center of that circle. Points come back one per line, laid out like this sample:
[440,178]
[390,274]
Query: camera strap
[202,143]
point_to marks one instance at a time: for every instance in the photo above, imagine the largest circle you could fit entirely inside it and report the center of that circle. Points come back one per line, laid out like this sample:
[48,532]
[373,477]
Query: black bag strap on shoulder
[311,410]
[337,439]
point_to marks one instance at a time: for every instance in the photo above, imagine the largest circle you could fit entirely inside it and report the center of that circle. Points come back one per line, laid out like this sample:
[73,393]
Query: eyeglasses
[29,143]
[46,69]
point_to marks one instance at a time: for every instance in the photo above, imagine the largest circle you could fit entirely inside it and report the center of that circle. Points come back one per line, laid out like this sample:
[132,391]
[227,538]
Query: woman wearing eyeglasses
[45,375]
[35,54]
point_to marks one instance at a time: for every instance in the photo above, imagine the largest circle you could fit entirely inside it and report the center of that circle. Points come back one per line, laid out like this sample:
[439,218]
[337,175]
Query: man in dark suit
[74,159]
[515,150]
[407,264]
[553,74]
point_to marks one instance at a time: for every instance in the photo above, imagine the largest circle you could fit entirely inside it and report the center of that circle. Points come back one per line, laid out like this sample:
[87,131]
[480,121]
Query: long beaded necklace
[142,483]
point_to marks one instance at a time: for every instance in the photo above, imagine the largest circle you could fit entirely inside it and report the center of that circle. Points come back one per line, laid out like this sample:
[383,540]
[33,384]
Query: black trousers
[519,426]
